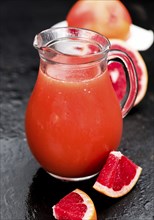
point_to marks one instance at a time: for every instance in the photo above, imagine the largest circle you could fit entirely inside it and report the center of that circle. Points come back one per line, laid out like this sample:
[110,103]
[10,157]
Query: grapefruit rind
[91,211]
[116,194]
[141,63]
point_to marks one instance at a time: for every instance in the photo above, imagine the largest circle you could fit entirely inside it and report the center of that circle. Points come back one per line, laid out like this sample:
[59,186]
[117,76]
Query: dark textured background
[27,192]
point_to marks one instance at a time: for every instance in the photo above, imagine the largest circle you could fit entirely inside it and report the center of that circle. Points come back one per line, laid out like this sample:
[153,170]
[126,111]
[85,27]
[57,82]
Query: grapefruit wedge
[118,176]
[118,76]
[76,205]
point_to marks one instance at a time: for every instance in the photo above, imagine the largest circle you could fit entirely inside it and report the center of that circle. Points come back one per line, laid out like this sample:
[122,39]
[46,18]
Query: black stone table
[27,191]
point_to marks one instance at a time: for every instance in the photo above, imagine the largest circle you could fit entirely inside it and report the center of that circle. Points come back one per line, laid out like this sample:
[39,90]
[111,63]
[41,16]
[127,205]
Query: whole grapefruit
[110,18]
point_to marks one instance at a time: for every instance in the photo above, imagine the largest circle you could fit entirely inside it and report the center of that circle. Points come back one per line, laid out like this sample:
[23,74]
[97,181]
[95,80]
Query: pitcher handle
[131,78]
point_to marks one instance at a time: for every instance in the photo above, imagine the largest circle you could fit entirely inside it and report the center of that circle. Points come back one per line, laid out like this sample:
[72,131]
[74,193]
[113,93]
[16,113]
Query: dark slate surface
[27,191]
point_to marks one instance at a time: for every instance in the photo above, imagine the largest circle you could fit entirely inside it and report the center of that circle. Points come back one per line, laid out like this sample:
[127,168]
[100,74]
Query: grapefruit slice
[76,205]
[118,176]
[118,76]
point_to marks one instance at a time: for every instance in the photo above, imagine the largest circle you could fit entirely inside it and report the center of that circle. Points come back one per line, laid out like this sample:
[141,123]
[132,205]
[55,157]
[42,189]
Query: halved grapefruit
[117,73]
[118,176]
[76,205]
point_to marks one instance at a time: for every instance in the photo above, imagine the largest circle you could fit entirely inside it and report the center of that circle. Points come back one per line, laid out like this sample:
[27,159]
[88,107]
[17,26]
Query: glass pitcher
[73,118]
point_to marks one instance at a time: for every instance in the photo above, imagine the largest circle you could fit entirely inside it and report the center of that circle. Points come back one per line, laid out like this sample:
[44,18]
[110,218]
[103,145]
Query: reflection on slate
[45,191]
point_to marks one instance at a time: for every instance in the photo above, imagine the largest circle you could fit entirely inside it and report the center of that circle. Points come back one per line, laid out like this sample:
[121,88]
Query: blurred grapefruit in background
[110,18]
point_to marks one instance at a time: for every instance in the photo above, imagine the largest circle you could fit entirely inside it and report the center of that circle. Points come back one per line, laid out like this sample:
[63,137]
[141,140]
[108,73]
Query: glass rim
[43,43]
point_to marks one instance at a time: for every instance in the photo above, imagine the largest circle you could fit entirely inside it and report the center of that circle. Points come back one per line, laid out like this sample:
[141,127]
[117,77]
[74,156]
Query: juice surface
[71,125]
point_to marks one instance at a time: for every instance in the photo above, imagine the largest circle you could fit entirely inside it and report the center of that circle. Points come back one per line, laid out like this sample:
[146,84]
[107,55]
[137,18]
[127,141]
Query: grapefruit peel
[108,191]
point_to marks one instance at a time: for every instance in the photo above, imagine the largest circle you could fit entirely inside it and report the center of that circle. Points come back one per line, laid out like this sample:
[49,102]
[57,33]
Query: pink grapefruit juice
[72,124]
